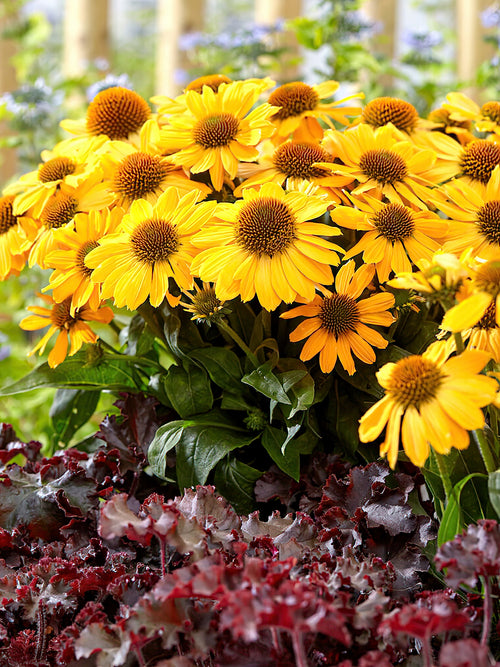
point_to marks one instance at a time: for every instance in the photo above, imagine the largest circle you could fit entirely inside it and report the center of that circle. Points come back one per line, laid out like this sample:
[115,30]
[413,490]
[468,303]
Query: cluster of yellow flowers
[246,195]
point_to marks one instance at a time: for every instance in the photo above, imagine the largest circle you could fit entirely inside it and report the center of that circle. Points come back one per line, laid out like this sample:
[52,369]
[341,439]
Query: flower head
[429,400]
[336,324]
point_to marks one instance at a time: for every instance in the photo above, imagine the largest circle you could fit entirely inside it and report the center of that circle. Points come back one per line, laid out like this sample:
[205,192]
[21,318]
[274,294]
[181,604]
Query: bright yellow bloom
[394,234]
[71,278]
[265,245]
[151,245]
[476,297]
[379,163]
[336,324]
[117,113]
[459,130]
[302,108]
[16,236]
[59,318]
[399,113]
[70,162]
[218,131]
[431,401]
[484,335]
[438,280]
[60,209]
[293,165]
[143,172]
[462,108]
[474,212]
[204,306]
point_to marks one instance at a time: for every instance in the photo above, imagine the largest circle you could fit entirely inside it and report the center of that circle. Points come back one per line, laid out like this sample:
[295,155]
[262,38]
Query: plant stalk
[484,450]
[487,611]
[239,341]
[443,471]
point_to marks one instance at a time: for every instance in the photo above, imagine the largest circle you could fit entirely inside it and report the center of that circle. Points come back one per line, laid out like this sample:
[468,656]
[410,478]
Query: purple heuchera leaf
[465,653]
[474,554]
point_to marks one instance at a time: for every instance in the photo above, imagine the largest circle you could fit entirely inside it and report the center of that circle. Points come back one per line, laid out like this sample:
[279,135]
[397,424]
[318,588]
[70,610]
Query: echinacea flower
[303,106]
[474,213]
[59,320]
[266,245]
[16,236]
[205,306]
[218,130]
[336,324]
[379,163]
[151,246]
[395,235]
[430,401]
[384,110]
[118,113]
[461,108]
[71,277]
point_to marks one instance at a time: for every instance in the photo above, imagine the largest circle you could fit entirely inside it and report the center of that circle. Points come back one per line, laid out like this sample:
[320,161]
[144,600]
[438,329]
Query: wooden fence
[87,38]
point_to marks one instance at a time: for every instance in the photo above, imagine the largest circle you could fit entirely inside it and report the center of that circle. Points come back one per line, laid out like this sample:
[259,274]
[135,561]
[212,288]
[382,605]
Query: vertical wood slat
[268,13]
[86,35]
[471,49]
[385,13]
[8,83]
[174,19]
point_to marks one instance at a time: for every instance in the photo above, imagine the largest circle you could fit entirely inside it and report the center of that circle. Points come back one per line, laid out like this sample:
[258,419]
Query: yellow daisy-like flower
[151,245]
[485,335]
[116,112]
[476,297]
[205,306]
[461,108]
[474,214]
[430,400]
[69,162]
[442,122]
[394,234]
[472,163]
[265,245]
[384,110]
[16,236]
[59,318]
[60,209]
[132,173]
[439,279]
[219,131]
[293,164]
[71,278]
[302,108]
[381,164]
[337,322]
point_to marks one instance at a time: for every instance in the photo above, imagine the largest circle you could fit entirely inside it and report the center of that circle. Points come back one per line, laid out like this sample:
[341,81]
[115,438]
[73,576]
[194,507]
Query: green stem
[239,341]
[115,327]
[459,343]
[484,449]
[114,354]
[443,471]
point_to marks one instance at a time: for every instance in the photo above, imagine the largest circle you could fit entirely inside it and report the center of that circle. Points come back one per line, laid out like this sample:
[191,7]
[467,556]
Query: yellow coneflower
[218,131]
[430,401]
[337,322]
[293,165]
[73,327]
[384,110]
[266,245]
[143,172]
[461,108]
[474,213]
[442,122]
[439,280]
[16,236]
[379,163]
[302,107]
[116,112]
[151,246]
[395,235]
[60,209]
[71,277]
[205,306]
[69,162]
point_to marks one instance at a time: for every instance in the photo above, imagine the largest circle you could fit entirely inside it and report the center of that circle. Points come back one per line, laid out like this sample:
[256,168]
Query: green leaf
[265,381]
[82,371]
[235,480]
[301,390]
[273,440]
[452,521]
[222,365]
[188,390]
[138,336]
[165,439]
[494,490]
[71,409]
[204,441]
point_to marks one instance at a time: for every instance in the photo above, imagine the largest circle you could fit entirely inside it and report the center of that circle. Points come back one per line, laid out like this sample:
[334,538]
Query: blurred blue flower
[110,81]
[33,105]
[4,349]
[423,40]
[191,40]
[490,17]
